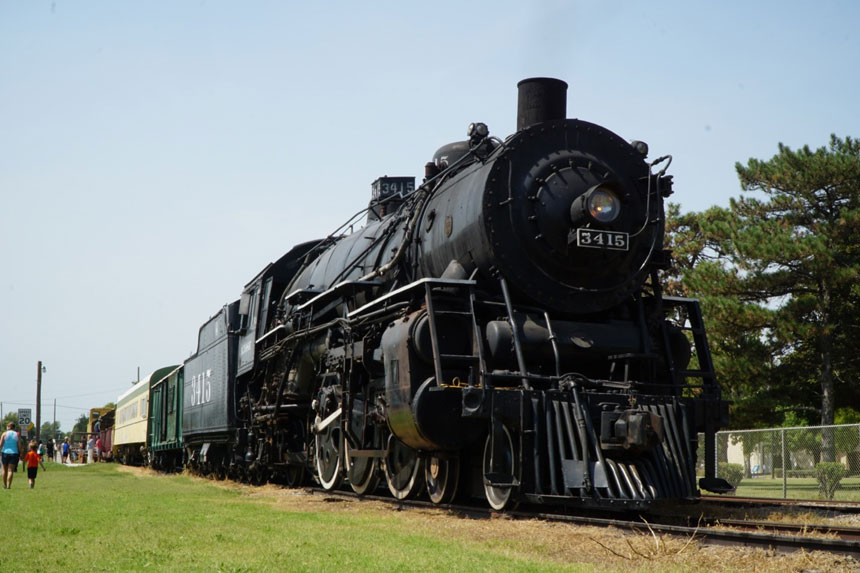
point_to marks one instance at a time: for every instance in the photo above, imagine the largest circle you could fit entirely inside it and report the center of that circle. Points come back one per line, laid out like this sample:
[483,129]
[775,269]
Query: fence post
[784,472]
[717,454]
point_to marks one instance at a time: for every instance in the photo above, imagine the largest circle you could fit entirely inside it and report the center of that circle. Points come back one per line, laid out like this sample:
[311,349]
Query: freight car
[499,330]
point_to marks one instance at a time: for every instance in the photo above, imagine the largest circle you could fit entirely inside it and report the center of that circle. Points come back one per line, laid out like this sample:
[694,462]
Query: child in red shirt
[33,461]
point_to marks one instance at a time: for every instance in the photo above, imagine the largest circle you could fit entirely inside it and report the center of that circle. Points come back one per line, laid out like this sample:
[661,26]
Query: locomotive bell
[640,146]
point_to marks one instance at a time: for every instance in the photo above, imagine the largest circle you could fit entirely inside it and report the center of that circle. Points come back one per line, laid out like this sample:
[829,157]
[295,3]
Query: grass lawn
[99,517]
[797,488]
[105,517]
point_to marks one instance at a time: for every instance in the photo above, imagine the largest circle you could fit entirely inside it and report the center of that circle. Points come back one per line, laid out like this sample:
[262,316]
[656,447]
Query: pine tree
[779,277]
[80,426]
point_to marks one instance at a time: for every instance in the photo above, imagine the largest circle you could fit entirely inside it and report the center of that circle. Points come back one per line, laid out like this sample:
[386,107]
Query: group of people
[13,452]
[93,449]
[11,447]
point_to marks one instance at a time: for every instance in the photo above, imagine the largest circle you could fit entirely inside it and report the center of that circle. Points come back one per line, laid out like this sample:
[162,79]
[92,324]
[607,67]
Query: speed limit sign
[24,416]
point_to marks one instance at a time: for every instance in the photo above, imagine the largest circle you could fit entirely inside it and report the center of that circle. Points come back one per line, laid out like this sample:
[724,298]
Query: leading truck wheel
[499,496]
[294,476]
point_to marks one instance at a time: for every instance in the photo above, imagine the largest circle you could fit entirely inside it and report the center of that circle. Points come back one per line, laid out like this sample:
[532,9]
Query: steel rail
[705,534]
[840,506]
[841,532]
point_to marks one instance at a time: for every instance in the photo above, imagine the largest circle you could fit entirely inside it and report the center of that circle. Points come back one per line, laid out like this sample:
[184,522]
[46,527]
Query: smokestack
[540,99]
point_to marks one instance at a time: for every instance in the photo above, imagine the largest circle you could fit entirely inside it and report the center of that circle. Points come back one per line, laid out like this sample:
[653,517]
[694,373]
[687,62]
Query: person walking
[66,451]
[10,449]
[33,461]
[51,449]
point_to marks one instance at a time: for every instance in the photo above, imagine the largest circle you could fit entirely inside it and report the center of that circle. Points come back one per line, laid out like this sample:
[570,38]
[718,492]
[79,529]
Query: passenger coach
[131,424]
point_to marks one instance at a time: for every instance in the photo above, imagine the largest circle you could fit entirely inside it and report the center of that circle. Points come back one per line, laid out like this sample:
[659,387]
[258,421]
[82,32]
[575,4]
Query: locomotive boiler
[498,330]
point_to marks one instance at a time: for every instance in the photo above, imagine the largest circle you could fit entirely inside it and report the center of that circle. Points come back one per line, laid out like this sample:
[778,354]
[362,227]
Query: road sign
[24,415]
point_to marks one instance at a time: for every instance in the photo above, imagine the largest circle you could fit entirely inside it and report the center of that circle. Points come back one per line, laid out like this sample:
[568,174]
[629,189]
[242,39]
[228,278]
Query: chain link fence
[815,462]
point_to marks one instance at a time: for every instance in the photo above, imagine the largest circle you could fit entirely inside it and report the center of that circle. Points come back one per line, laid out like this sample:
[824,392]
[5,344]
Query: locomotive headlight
[599,204]
[603,205]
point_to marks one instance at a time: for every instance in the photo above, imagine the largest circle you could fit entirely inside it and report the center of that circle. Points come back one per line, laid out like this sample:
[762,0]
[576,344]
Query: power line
[93,393]
[48,403]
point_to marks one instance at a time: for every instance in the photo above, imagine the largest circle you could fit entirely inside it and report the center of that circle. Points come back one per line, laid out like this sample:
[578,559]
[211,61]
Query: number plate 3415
[595,239]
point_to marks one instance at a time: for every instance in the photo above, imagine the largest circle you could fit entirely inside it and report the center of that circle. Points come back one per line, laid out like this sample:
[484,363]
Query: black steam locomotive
[498,331]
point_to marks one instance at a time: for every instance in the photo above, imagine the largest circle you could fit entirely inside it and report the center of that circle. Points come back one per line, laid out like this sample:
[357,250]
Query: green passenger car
[165,427]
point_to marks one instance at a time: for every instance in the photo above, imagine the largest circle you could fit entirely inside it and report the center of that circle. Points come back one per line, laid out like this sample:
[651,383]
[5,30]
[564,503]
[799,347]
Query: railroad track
[783,537]
[839,532]
[840,506]
[749,535]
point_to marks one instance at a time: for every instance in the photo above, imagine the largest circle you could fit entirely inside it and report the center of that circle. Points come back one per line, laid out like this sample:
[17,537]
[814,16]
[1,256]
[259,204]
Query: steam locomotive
[497,331]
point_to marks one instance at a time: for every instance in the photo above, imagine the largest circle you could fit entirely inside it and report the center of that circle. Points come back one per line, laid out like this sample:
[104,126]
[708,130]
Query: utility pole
[54,427]
[38,399]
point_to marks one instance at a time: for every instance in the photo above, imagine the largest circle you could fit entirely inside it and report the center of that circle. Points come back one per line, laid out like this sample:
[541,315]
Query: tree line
[777,276]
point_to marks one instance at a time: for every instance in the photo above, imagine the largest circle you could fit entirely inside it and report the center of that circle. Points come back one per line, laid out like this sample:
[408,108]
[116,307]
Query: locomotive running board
[333,293]
[405,291]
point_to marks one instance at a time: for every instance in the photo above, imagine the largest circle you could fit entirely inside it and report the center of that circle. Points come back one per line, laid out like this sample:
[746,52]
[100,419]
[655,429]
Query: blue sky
[154,156]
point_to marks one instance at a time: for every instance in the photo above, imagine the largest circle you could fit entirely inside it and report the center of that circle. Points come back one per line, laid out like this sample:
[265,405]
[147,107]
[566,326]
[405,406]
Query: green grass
[797,488]
[100,518]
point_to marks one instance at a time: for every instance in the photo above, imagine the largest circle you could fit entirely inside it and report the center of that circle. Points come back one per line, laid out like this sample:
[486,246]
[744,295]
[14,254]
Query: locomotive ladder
[498,477]
[439,359]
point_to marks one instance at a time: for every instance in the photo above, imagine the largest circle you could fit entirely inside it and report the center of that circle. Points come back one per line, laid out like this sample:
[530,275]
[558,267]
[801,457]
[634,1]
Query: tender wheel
[362,472]
[403,470]
[294,476]
[498,496]
[259,475]
[328,443]
[242,474]
[442,476]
